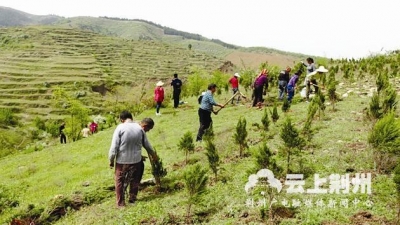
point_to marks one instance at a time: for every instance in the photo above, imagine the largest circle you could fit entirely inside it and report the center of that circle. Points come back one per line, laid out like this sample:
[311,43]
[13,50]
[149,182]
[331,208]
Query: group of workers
[129,136]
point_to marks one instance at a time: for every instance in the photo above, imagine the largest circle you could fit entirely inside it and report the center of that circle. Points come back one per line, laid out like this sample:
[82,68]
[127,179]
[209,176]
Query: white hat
[321,69]
[237,75]
[160,83]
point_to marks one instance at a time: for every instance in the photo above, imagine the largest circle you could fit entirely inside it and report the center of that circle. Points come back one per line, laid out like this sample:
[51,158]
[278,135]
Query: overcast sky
[330,28]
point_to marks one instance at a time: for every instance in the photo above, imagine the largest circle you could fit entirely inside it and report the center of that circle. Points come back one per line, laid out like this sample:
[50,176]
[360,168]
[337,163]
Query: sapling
[158,170]
[186,144]
[274,114]
[195,179]
[293,143]
[265,160]
[385,140]
[285,105]
[241,135]
[265,120]
[212,156]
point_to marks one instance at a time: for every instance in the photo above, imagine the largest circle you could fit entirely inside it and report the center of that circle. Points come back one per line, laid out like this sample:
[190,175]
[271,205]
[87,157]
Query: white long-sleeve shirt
[127,142]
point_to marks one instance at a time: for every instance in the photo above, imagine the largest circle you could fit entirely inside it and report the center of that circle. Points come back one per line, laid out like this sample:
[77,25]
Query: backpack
[200,98]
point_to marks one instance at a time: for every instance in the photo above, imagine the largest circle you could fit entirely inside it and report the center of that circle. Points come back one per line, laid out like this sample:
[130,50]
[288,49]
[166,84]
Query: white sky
[331,28]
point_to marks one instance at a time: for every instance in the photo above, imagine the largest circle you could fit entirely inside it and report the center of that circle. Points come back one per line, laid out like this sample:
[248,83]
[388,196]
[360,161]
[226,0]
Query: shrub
[39,123]
[274,114]
[7,117]
[293,143]
[212,156]
[265,120]
[265,160]
[285,105]
[240,136]
[195,179]
[385,139]
[158,170]
[186,144]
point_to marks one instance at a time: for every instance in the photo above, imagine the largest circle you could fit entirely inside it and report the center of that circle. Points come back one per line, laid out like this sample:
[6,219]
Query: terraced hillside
[35,60]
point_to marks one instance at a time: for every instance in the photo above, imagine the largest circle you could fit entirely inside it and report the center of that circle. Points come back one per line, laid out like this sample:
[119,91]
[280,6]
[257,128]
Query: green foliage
[375,110]
[197,82]
[212,156]
[39,123]
[186,144]
[274,113]
[265,160]
[311,111]
[78,113]
[319,100]
[246,78]
[385,135]
[240,136]
[382,81]
[389,102]
[158,170]
[11,141]
[7,117]
[285,105]
[195,178]
[265,120]
[221,80]
[293,142]
[52,127]
[7,198]
[332,90]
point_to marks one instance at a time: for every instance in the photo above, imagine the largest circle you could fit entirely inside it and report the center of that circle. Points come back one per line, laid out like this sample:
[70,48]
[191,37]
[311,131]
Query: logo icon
[254,180]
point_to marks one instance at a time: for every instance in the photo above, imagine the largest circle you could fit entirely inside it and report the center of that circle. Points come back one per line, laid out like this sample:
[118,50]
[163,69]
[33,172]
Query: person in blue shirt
[205,110]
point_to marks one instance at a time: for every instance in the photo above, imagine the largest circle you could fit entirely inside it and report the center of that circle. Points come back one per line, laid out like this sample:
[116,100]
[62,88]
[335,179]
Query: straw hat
[321,69]
[159,83]
[237,75]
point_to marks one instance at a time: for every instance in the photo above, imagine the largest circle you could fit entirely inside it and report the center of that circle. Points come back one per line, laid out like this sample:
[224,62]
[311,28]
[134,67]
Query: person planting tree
[126,153]
[260,87]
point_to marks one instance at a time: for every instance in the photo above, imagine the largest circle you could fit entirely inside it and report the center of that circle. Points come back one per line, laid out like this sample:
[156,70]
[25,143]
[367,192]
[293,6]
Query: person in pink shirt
[159,96]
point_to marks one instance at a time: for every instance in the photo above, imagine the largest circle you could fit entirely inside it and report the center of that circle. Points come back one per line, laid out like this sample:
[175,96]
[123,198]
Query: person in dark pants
[205,110]
[260,82]
[126,153]
[283,80]
[234,81]
[63,138]
[292,85]
[177,85]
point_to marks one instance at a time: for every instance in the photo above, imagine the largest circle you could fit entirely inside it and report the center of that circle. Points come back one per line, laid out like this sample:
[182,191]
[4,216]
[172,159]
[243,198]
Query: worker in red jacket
[159,96]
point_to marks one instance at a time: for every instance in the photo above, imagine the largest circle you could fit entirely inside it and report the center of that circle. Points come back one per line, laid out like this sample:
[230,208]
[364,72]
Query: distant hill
[35,60]
[11,17]
[137,29]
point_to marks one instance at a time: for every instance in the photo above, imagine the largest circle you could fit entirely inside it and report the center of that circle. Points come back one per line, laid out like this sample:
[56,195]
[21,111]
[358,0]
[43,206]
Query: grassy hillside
[79,171]
[35,60]
[145,30]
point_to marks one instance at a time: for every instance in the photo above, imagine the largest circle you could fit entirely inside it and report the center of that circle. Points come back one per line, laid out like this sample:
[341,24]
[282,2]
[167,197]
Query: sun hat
[160,83]
[237,75]
[321,69]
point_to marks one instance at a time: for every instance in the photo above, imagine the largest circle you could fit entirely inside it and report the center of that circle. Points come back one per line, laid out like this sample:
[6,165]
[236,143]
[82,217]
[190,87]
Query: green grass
[338,144]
